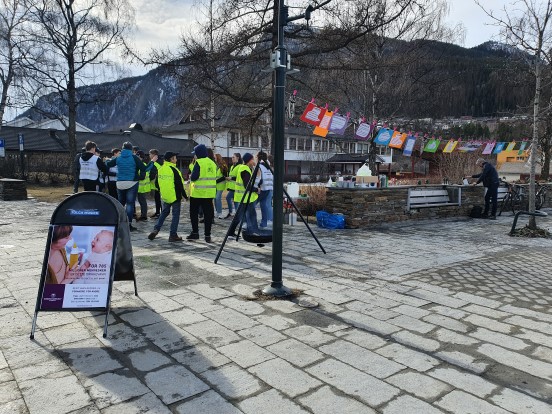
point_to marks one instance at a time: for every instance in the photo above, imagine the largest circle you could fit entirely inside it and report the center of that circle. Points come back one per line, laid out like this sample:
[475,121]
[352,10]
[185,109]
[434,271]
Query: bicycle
[513,200]
[540,196]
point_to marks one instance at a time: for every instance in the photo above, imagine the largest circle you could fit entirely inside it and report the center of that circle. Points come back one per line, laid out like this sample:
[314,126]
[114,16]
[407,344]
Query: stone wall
[12,189]
[364,207]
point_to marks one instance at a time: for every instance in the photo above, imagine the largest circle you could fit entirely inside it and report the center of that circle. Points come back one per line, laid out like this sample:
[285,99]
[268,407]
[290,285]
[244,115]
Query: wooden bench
[433,197]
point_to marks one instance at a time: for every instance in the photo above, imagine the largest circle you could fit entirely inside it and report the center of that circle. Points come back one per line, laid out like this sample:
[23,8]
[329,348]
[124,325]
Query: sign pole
[21,140]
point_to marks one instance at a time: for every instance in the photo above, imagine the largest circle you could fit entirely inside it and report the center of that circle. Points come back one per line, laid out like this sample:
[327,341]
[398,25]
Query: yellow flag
[450,146]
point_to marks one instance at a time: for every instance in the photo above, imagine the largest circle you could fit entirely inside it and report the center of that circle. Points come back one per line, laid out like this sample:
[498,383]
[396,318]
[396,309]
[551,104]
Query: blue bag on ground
[330,221]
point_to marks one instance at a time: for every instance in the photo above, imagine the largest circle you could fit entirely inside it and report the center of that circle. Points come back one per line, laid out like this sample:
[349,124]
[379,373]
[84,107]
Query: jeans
[205,204]
[143,204]
[218,202]
[127,198]
[251,221]
[265,201]
[76,184]
[175,217]
[491,197]
[230,200]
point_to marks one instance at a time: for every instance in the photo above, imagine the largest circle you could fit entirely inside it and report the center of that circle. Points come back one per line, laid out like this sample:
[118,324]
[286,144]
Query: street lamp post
[279,64]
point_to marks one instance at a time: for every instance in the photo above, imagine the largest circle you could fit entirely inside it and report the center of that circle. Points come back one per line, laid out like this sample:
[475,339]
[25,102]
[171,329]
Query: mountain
[488,80]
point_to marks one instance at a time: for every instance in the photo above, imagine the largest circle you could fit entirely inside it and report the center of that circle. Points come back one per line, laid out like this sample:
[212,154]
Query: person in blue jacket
[130,170]
[490,180]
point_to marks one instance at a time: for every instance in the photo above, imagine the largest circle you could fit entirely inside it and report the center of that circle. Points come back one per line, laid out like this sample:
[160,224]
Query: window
[317,145]
[191,136]
[265,143]
[234,142]
[244,140]
[292,144]
[308,144]
[325,145]
[331,146]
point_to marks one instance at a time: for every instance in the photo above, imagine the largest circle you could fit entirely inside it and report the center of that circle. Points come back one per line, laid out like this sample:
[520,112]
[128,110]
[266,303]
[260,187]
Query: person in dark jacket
[490,180]
[76,170]
[91,166]
[130,169]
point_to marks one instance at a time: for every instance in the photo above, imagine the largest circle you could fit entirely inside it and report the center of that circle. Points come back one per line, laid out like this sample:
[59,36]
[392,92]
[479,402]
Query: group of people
[129,175]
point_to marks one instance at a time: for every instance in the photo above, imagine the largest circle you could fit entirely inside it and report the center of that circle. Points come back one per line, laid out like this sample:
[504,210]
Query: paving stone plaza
[441,316]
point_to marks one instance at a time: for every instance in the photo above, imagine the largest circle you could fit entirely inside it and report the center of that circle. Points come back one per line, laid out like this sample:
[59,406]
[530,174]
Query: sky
[161,23]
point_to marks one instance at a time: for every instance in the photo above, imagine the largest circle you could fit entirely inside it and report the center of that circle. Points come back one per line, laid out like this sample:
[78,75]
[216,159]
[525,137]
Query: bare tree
[527,24]
[14,46]
[73,37]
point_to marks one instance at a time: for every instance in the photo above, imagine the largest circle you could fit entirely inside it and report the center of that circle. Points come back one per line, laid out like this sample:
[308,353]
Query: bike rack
[537,213]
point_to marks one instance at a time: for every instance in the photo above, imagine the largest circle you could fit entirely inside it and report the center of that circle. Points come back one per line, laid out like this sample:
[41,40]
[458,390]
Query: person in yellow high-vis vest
[231,183]
[203,190]
[243,177]
[144,187]
[171,187]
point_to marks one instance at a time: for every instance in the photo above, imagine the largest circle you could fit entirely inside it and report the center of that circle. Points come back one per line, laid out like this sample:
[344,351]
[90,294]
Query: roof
[58,141]
[517,168]
[351,159]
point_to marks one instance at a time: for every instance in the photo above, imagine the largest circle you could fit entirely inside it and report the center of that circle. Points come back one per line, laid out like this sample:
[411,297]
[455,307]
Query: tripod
[237,220]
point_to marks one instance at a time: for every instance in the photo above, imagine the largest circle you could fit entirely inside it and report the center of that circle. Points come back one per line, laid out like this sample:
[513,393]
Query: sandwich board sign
[88,247]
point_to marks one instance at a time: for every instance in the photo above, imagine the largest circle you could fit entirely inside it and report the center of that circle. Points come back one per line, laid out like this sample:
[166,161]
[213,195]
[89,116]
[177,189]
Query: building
[305,154]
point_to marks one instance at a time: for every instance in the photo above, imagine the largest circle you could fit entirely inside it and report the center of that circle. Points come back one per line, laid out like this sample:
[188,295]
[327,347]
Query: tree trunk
[72,109]
[535,141]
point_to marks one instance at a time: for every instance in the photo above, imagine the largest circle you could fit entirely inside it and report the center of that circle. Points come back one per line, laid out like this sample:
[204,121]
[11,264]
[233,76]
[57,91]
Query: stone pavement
[448,316]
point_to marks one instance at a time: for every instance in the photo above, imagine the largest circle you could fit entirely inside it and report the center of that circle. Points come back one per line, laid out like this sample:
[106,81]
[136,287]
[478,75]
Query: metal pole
[277,287]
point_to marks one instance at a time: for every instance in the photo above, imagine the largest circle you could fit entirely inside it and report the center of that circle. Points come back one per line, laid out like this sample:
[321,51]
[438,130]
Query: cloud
[160,23]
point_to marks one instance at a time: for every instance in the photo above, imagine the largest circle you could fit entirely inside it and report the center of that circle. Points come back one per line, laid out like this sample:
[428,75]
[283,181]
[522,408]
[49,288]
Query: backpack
[476,212]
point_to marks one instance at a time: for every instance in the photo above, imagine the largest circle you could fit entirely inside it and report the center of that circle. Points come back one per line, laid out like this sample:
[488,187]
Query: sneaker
[193,236]
[492,217]
[153,234]
[132,228]
[220,217]
[202,221]
[484,216]
[228,215]
[208,239]
[175,238]
[156,215]
[142,219]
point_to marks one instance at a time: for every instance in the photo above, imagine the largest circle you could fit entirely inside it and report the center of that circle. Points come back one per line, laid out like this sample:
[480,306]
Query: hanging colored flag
[488,150]
[409,145]
[499,147]
[511,146]
[432,145]
[322,129]
[450,146]
[363,131]
[339,124]
[313,114]
[522,147]
[384,136]
[470,146]
[397,140]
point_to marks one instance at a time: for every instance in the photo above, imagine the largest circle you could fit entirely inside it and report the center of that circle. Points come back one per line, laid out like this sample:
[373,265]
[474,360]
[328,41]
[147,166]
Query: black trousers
[90,185]
[491,199]
[206,204]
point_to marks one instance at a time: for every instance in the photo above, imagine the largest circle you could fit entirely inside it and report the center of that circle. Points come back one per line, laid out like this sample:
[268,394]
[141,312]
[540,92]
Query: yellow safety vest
[206,185]
[165,178]
[233,172]
[144,186]
[240,186]
[222,185]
